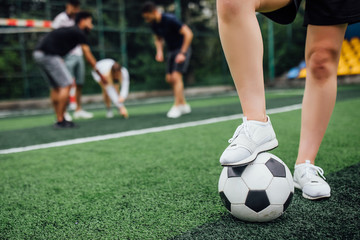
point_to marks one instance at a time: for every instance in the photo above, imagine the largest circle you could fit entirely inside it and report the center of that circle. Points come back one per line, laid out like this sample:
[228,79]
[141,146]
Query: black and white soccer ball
[258,192]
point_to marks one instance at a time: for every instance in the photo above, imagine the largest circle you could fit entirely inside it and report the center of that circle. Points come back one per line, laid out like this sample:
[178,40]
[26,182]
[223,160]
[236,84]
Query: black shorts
[331,12]
[172,66]
[319,12]
[286,14]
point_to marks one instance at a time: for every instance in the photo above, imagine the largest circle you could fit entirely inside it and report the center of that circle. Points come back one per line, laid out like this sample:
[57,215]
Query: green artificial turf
[20,135]
[333,218]
[136,109]
[164,185]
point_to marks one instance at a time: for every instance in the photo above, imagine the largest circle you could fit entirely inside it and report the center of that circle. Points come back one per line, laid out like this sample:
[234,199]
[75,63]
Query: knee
[168,78]
[176,77]
[228,9]
[322,63]
[173,78]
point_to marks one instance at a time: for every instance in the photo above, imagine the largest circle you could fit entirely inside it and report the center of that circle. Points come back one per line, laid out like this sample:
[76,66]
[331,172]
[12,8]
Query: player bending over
[178,37]
[48,55]
[241,40]
[74,60]
[115,75]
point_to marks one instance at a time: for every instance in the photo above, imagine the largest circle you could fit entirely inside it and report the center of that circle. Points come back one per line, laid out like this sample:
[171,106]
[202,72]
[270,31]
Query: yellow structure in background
[349,63]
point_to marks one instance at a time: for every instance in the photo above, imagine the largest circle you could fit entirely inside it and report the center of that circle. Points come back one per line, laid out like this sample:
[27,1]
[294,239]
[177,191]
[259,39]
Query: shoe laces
[311,170]
[244,126]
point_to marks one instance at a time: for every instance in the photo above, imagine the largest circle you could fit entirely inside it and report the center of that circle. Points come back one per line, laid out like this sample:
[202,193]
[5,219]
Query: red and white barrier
[12,22]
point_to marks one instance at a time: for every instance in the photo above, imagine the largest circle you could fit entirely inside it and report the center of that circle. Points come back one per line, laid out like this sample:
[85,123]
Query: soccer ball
[258,192]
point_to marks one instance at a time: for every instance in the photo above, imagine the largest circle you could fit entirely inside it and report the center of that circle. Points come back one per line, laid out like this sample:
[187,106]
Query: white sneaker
[174,112]
[67,116]
[249,139]
[72,106]
[185,108]
[109,114]
[83,114]
[306,178]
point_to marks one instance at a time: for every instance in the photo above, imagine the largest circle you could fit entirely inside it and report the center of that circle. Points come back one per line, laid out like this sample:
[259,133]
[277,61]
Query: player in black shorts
[326,22]
[178,37]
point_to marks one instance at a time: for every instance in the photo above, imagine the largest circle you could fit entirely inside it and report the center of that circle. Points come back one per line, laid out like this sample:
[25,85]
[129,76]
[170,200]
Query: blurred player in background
[74,60]
[240,36]
[48,55]
[178,38]
[115,75]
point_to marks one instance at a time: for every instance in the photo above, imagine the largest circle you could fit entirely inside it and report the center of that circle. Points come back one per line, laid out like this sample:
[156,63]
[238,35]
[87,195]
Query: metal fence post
[100,29]
[48,9]
[23,65]
[123,42]
[178,9]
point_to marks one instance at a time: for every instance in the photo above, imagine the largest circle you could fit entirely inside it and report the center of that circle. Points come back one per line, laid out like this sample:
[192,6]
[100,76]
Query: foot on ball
[249,139]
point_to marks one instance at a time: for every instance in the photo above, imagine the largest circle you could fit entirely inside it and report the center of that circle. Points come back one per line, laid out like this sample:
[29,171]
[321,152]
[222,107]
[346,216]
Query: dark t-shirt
[169,29]
[61,41]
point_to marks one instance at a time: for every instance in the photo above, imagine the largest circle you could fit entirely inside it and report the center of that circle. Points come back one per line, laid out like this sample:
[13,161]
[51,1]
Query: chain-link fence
[120,33]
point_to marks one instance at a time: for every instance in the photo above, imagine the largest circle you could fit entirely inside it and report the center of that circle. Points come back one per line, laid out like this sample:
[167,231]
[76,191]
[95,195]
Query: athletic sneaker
[109,114]
[67,116]
[185,108]
[72,106]
[306,178]
[174,112]
[64,124]
[249,139]
[83,114]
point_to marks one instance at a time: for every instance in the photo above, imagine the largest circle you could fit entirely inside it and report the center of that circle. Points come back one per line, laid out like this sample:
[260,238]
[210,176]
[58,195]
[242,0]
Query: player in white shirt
[115,76]
[74,61]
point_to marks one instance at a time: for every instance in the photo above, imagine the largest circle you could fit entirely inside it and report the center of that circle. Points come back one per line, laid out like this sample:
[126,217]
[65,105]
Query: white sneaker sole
[263,148]
[173,116]
[185,112]
[83,117]
[297,185]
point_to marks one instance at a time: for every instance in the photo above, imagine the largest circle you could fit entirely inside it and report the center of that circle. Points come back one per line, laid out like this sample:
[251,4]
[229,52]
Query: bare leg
[176,81]
[63,100]
[54,99]
[178,86]
[78,97]
[169,80]
[60,100]
[243,47]
[322,53]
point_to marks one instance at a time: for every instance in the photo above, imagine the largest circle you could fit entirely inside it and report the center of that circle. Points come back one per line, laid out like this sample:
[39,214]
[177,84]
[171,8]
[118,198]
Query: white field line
[141,131]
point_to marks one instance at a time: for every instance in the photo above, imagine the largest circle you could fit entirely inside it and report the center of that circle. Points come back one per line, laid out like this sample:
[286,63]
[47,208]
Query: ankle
[303,161]
[263,119]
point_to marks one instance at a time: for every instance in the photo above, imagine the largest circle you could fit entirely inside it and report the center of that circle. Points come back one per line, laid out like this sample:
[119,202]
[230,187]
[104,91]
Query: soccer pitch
[163,185]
